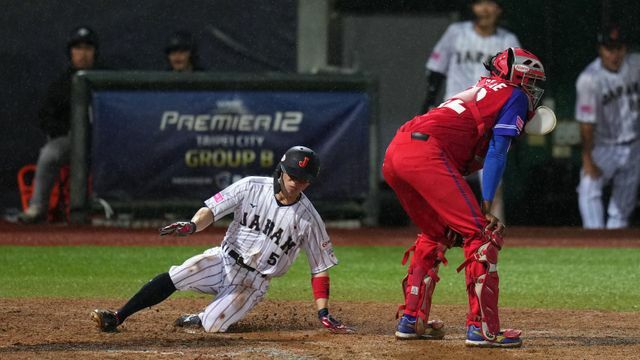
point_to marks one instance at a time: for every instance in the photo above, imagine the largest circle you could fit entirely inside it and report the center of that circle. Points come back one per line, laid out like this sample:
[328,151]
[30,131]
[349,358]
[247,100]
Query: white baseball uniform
[611,102]
[267,235]
[460,52]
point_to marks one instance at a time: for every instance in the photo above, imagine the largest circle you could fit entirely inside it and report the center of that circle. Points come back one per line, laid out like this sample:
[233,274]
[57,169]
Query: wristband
[320,285]
[193,227]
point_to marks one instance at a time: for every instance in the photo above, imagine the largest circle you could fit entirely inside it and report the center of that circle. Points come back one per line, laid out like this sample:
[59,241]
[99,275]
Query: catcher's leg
[483,322]
[418,287]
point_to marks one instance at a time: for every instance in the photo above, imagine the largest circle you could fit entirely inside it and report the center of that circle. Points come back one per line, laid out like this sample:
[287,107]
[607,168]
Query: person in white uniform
[273,220]
[607,109]
[458,57]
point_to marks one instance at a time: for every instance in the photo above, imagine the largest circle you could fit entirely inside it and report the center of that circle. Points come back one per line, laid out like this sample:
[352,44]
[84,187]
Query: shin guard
[419,284]
[482,285]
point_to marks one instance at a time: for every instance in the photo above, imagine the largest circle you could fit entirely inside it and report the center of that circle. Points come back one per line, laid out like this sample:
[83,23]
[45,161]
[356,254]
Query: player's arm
[586,103]
[494,165]
[320,285]
[434,84]
[200,221]
[588,165]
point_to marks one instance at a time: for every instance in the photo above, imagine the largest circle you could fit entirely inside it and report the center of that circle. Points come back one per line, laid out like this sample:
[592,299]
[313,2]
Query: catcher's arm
[200,221]
[320,285]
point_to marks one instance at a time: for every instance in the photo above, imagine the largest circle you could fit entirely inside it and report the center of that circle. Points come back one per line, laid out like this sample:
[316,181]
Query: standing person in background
[55,114]
[182,52]
[607,108]
[458,58]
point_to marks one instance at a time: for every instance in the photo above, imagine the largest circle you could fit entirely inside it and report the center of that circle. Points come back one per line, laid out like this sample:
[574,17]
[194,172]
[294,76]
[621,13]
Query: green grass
[530,277]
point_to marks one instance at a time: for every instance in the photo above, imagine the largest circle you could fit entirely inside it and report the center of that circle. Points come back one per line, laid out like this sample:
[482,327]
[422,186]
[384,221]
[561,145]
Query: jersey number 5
[273,259]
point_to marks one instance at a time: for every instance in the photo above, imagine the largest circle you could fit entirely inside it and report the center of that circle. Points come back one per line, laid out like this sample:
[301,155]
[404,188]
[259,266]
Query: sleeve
[228,199]
[494,165]
[586,99]
[512,41]
[512,115]
[442,52]
[51,113]
[318,247]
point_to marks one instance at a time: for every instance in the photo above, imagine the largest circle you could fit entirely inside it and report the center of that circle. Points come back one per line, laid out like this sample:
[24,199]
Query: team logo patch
[218,197]
[435,55]
[414,290]
[586,109]
[519,123]
[304,162]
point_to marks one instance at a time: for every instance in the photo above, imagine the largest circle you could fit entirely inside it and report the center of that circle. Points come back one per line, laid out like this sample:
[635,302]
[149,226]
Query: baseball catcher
[425,165]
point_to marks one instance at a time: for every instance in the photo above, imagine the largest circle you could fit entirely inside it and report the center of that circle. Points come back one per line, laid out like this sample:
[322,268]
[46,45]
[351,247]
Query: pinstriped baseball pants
[620,165]
[236,290]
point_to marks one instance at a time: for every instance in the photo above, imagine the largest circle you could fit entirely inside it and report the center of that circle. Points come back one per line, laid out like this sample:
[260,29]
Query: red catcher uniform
[425,164]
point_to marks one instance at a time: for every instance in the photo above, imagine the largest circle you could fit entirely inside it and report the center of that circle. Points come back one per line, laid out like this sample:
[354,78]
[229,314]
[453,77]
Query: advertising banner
[154,145]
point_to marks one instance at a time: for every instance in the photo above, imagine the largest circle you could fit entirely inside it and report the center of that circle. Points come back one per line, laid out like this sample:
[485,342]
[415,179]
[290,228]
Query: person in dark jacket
[182,52]
[82,47]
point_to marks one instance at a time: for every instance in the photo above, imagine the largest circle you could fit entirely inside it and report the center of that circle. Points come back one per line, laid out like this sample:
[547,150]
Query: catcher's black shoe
[191,320]
[105,320]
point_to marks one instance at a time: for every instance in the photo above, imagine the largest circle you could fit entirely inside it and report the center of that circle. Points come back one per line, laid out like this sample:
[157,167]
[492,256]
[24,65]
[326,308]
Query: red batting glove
[180,228]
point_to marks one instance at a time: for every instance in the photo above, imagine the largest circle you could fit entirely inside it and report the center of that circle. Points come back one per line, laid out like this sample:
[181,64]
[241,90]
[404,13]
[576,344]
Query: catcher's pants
[619,164]
[434,194]
[236,290]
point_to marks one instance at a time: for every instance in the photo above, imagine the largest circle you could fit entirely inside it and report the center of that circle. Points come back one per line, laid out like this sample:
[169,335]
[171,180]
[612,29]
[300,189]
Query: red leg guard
[419,284]
[483,290]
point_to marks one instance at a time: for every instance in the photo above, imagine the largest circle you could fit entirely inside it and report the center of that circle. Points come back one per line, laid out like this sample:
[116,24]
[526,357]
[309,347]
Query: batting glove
[333,325]
[180,228]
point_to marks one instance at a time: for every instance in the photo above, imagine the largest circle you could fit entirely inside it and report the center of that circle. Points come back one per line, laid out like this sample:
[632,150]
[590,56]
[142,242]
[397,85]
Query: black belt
[240,261]
[419,136]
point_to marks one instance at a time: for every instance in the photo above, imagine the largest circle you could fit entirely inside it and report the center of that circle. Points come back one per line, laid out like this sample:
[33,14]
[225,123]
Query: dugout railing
[85,83]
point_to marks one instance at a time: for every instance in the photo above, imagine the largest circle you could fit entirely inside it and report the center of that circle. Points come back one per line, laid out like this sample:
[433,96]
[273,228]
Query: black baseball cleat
[190,320]
[105,320]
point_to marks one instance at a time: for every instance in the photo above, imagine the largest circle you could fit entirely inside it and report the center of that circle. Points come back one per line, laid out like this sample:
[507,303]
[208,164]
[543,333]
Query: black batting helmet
[299,162]
[82,34]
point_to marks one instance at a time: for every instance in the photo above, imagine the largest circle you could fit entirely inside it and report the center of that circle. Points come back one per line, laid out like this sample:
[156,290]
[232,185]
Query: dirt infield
[45,328]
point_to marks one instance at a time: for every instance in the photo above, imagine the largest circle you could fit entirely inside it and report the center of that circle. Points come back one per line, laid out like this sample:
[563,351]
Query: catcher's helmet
[519,67]
[82,34]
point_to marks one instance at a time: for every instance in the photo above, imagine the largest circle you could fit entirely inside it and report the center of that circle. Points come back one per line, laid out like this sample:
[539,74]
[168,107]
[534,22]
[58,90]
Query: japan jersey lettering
[460,52]
[267,234]
[610,100]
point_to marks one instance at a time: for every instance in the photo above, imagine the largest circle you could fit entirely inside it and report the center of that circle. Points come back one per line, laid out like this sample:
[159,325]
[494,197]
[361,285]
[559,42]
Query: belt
[240,261]
[419,136]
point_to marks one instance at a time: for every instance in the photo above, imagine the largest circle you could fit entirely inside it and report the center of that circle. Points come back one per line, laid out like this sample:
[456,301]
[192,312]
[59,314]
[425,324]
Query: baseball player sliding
[273,220]
[608,110]
[425,165]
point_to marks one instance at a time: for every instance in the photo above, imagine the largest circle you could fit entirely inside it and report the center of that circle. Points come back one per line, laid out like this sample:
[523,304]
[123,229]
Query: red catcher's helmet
[521,68]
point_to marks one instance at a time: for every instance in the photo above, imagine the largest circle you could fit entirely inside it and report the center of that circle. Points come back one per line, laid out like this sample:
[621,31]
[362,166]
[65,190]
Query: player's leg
[589,189]
[590,201]
[192,274]
[624,194]
[482,280]
[232,304]
[429,249]
[53,155]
